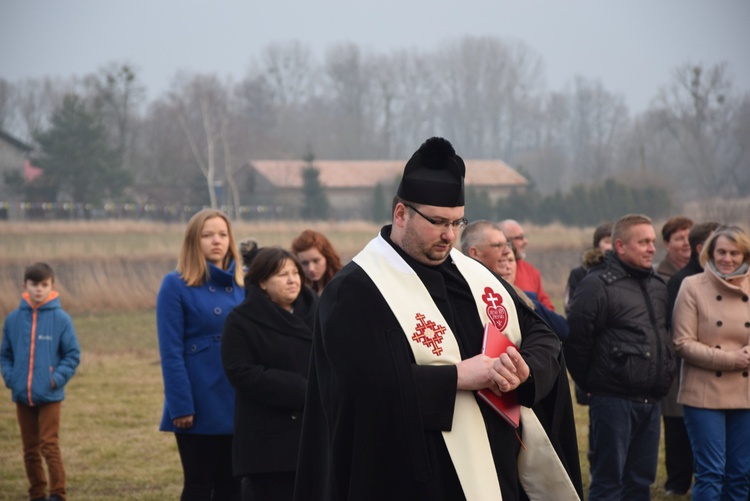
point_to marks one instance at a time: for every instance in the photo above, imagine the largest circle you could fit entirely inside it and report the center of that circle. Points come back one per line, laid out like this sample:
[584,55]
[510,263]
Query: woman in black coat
[266,354]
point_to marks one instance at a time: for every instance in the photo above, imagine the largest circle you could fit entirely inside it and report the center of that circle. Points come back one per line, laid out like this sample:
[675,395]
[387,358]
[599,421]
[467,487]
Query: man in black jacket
[619,351]
[391,411]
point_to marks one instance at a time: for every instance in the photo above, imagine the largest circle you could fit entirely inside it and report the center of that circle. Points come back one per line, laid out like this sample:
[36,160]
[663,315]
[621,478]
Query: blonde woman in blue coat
[191,307]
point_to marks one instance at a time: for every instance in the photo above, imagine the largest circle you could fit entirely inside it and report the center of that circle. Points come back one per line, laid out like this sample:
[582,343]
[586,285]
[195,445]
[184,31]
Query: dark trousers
[40,426]
[624,448]
[678,455]
[207,468]
[277,486]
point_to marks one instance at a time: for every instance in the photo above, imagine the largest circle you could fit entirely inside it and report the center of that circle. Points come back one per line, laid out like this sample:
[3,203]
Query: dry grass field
[108,274]
[109,434]
[119,265]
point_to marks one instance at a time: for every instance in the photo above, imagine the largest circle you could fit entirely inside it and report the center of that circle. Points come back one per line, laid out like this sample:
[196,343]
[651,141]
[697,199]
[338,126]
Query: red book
[495,344]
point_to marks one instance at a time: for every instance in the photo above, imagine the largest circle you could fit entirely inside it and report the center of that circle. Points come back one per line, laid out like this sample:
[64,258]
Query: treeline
[587,205]
[99,139]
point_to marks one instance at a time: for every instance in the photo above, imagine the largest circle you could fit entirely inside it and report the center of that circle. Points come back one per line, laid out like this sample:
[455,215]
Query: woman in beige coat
[711,329]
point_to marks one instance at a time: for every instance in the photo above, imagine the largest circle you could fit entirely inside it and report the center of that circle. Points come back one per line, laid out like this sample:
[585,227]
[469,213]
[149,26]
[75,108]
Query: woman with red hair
[319,259]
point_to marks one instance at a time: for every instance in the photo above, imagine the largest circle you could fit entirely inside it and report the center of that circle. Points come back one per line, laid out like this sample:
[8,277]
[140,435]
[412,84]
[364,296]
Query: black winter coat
[266,355]
[673,286]
[619,344]
[374,418]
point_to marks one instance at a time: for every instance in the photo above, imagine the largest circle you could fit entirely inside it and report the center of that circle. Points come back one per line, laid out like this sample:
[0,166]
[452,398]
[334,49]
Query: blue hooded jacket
[39,346]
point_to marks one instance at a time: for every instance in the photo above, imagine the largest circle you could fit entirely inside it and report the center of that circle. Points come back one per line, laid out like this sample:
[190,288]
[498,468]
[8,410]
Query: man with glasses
[391,410]
[528,277]
[484,241]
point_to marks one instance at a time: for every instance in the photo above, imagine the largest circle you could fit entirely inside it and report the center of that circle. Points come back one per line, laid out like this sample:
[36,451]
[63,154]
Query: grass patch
[118,265]
[110,440]
[109,432]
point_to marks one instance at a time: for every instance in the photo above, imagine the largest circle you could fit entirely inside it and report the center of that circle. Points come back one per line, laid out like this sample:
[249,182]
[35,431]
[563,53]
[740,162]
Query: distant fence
[14,211]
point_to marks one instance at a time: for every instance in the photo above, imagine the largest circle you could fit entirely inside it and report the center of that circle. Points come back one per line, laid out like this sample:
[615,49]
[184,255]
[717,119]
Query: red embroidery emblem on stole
[495,310]
[429,334]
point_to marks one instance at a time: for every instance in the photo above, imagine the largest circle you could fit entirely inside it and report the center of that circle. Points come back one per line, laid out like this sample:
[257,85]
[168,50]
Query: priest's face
[429,234]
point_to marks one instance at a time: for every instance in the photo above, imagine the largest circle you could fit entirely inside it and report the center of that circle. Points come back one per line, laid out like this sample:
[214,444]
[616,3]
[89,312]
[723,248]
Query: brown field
[119,265]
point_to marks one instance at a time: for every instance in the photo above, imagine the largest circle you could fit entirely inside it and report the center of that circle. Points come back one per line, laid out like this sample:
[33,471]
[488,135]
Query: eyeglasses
[456,225]
[518,237]
[501,245]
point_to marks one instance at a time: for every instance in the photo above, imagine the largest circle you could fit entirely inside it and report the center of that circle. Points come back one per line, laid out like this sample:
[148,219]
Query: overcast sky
[631,45]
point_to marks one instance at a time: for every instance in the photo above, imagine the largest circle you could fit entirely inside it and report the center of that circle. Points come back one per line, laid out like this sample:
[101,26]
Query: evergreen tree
[380,211]
[78,163]
[519,206]
[609,200]
[478,205]
[316,201]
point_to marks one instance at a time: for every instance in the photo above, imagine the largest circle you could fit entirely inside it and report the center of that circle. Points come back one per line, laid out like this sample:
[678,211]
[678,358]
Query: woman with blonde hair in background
[319,259]
[191,307]
[711,331]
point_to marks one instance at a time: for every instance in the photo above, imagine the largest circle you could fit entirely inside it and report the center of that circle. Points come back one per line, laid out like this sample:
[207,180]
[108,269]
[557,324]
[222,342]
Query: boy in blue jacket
[39,354]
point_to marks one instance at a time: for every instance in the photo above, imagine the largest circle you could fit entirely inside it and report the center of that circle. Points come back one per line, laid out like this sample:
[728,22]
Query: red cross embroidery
[429,334]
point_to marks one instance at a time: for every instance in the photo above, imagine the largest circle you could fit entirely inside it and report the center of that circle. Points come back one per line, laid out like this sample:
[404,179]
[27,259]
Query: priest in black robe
[375,419]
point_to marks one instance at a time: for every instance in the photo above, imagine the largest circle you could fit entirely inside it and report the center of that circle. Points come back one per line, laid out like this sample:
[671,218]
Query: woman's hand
[183,422]
[741,358]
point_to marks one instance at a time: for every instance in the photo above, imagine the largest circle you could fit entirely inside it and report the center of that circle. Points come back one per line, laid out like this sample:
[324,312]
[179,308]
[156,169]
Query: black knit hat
[434,175]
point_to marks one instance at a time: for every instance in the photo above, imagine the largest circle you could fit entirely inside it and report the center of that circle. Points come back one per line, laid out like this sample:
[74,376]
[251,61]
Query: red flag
[30,172]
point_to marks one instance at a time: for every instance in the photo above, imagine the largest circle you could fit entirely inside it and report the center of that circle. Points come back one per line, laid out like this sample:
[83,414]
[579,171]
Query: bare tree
[348,80]
[406,99]
[7,91]
[288,69]
[707,120]
[487,87]
[202,106]
[116,93]
[546,157]
[257,118]
[275,98]
[599,120]
[36,100]
[165,170]
[474,79]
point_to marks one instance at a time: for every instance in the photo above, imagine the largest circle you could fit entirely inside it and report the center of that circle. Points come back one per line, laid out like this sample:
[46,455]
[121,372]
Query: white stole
[541,473]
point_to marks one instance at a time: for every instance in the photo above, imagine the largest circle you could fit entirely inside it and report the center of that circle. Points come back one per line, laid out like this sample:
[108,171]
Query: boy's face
[38,291]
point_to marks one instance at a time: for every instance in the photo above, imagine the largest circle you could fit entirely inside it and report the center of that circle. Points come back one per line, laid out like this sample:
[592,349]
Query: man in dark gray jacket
[619,351]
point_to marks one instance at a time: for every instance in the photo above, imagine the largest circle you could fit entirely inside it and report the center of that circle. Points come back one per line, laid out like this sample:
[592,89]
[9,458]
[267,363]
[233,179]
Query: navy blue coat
[555,321]
[189,322]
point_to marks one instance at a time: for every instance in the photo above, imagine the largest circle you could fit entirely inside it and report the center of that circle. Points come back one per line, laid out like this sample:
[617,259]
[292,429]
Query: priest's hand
[510,370]
[476,373]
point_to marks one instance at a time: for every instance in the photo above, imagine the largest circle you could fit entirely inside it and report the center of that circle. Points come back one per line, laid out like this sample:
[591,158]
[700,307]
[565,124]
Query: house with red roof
[350,185]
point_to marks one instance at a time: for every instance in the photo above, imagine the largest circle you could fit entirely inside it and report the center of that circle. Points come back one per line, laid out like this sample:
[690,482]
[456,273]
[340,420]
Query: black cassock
[373,419]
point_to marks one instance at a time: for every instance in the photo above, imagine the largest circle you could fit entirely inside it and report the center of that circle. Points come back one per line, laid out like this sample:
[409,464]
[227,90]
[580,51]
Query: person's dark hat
[434,175]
